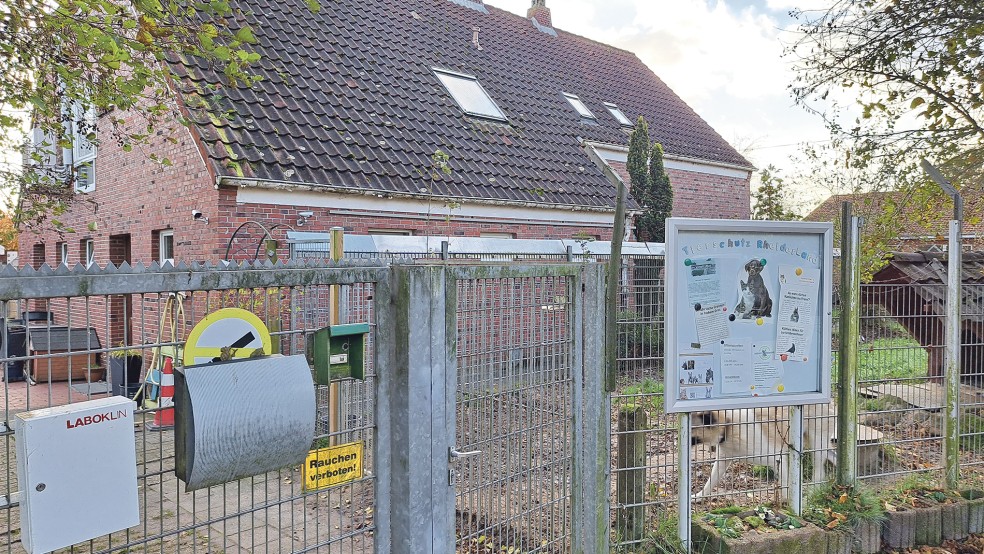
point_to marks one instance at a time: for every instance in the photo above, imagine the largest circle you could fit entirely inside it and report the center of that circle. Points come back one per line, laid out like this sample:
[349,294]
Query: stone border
[916,527]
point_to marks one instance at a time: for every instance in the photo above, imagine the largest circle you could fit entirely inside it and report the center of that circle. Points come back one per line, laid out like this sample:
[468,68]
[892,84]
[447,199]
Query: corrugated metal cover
[377,244]
[242,418]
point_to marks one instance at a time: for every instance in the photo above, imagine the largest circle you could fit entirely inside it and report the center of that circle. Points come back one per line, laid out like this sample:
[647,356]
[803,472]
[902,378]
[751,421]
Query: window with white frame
[498,235]
[83,129]
[166,246]
[63,253]
[618,115]
[470,94]
[89,251]
[579,106]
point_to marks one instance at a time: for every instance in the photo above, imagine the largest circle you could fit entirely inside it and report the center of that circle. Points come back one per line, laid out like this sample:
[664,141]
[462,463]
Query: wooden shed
[912,288]
[70,352]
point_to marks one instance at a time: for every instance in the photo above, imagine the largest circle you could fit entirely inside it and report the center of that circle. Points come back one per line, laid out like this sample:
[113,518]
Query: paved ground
[19,396]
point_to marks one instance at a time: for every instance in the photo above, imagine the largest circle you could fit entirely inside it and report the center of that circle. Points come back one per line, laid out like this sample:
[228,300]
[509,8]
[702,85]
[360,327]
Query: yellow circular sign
[230,333]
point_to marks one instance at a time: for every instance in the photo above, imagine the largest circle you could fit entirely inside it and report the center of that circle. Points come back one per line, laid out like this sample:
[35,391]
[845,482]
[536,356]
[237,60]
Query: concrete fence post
[592,443]
[951,418]
[415,418]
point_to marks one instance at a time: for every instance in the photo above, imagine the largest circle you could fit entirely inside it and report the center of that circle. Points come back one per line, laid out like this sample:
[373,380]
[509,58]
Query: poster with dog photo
[755,292]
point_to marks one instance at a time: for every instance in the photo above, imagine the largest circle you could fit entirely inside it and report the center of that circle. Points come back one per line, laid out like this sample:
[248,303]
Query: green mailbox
[339,352]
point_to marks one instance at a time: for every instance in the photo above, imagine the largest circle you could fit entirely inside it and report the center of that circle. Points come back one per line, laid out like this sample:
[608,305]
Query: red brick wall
[710,196]
[136,195]
[703,194]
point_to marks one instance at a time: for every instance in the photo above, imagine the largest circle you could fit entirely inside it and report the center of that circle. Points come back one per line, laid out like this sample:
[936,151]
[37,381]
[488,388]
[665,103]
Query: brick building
[909,225]
[343,129]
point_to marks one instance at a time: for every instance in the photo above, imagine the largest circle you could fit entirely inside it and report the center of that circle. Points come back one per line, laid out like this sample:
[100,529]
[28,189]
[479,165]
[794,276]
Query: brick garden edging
[905,529]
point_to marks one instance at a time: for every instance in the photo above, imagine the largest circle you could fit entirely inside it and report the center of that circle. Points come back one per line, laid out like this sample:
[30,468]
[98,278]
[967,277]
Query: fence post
[847,361]
[415,417]
[954,322]
[796,459]
[592,491]
[951,419]
[683,479]
[630,481]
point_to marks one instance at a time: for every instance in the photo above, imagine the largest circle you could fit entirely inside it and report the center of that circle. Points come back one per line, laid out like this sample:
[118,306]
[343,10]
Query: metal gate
[514,413]
[502,360]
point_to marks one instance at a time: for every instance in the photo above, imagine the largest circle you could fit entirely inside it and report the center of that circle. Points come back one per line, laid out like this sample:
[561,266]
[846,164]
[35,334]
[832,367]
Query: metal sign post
[334,394]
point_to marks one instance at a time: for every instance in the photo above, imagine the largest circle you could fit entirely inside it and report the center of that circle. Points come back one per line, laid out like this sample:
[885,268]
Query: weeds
[831,506]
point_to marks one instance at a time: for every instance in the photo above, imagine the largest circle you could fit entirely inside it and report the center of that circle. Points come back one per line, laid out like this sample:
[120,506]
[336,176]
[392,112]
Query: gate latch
[455,455]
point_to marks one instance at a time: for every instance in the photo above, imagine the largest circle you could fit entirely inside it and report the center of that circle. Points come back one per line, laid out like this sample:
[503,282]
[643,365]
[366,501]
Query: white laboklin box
[77,468]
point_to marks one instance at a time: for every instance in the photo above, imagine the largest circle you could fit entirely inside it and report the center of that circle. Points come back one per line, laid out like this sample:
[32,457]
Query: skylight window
[579,106]
[470,95]
[617,114]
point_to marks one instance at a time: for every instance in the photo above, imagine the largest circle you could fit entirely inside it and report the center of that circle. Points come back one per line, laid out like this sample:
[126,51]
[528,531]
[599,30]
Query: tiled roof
[349,100]
[863,204]
[910,219]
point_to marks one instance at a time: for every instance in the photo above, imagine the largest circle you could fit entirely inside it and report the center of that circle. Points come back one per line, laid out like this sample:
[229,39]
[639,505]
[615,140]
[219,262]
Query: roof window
[617,114]
[470,95]
[579,106]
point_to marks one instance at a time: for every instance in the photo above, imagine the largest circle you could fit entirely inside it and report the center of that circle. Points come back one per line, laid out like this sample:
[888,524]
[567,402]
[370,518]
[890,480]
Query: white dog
[761,437]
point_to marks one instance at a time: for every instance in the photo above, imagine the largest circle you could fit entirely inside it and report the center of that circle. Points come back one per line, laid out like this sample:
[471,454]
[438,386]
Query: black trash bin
[16,341]
[124,374]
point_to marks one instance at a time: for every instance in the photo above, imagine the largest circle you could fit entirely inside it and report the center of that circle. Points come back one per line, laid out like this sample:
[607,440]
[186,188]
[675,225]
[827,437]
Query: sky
[723,57]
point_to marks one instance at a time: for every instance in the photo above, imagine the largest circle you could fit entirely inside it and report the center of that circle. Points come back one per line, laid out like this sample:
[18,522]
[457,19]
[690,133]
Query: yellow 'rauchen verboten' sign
[328,467]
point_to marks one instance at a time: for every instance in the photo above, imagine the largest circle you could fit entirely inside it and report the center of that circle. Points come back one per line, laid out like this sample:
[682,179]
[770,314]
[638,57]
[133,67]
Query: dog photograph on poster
[754,295]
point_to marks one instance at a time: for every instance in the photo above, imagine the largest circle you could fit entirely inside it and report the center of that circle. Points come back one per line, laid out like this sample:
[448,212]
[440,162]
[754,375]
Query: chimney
[540,12]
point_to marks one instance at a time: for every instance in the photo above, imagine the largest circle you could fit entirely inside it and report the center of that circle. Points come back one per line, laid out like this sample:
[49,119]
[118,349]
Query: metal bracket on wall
[10,501]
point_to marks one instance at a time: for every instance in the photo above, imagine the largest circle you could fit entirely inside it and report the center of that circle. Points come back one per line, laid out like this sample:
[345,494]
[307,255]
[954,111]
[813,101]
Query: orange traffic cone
[164,416]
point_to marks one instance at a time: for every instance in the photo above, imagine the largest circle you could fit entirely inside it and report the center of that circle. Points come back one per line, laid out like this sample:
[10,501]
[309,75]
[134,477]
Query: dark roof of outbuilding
[349,100]
[929,270]
[62,339]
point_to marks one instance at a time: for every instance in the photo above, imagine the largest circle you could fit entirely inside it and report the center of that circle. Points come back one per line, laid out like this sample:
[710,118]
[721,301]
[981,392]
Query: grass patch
[892,358]
[832,506]
[765,473]
[664,539]
[647,393]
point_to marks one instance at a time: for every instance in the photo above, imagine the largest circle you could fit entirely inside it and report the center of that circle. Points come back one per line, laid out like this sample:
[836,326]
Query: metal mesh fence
[514,406]
[272,512]
[900,398]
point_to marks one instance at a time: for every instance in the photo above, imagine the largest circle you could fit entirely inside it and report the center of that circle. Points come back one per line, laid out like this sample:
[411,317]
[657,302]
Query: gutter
[314,187]
[673,157]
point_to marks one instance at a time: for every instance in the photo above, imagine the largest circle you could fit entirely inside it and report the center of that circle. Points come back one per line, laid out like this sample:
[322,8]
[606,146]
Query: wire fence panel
[273,512]
[900,380]
[514,406]
[972,406]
